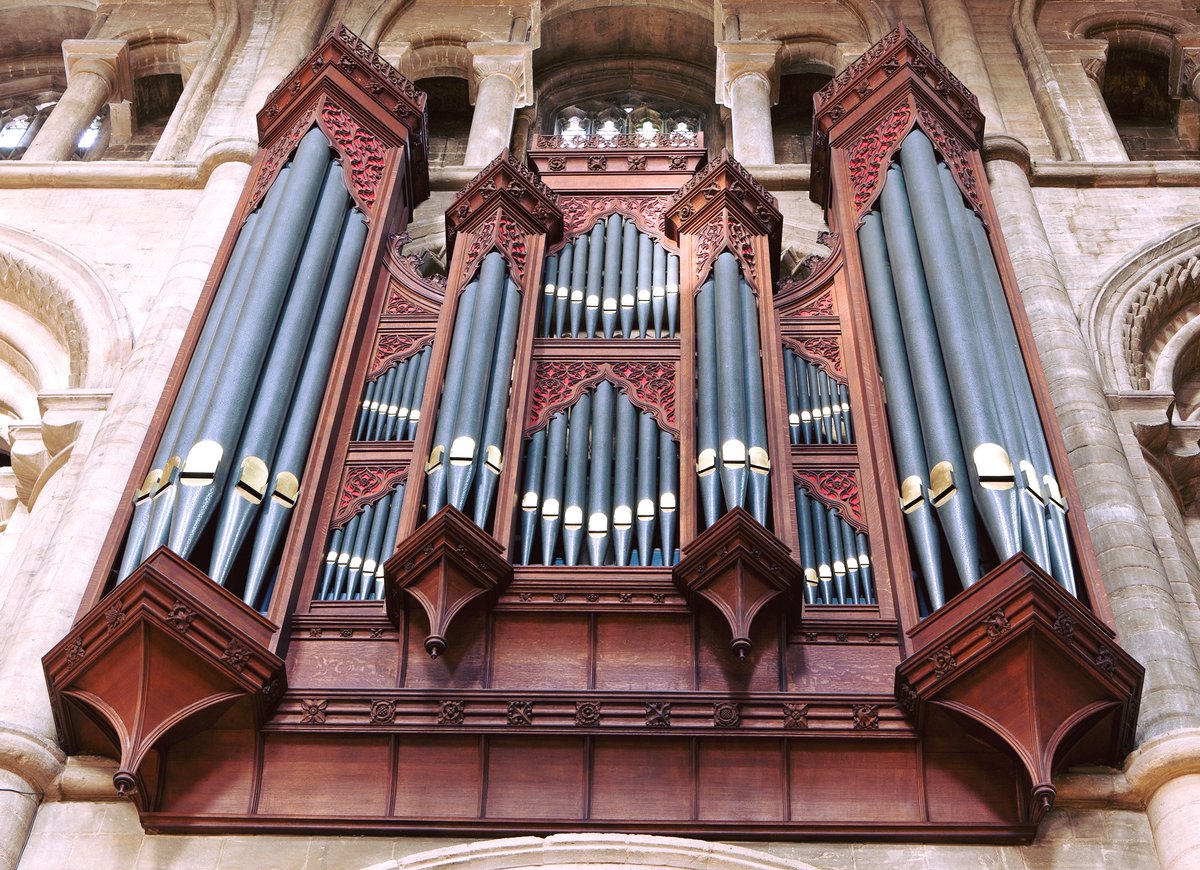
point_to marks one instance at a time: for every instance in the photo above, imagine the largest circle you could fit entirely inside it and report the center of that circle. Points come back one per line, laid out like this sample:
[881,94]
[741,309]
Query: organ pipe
[610,282]
[597,456]
[353,567]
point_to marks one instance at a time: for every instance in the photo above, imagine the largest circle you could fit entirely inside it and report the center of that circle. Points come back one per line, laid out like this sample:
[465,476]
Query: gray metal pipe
[668,495]
[647,484]
[645,269]
[553,483]
[418,397]
[731,382]
[707,432]
[600,473]
[550,273]
[491,458]
[579,282]
[624,479]
[672,296]
[658,291]
[576,479]
[595,281]
[531,498]
[757,454]
[629,263]
[612,276]
[562,298]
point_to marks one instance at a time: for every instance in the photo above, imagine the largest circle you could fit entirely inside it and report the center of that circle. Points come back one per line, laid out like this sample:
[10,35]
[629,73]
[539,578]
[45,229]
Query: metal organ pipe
[757,454]
[617,282]
[609,451]
[707,434]
[731,382]
[353,568]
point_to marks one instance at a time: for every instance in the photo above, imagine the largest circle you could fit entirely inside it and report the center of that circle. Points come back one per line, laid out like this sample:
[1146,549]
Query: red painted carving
[822,306]
[868,155]
[393,347]
[362,485]
[398,304]
[838,488]
[277,157]
[650,386]
[362,154]
[556,385]
[825,350]
[501,233]
[581,212]
[957,158]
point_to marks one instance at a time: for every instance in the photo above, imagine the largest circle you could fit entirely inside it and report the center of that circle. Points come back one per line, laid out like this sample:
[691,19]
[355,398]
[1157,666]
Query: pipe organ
[608,497]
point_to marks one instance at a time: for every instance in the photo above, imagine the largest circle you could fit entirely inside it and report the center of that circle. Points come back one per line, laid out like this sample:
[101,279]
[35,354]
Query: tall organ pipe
[244,350]
[264,425]
[951,497]
[600,471]
[624,475]
[991,469]
[305,406]
[484,371]
[757,455]
[1029,502]
[206,362]
[668,495]
[731,383]
[672,295]
[550,270]
[562,299]
[658,290]
[452,391]
[644,270]
[576,483]
[553,484]
[595,275]
[612,276]
[1043,467]
[647,484]
[629,265]
[418,396]
[535,467]
[491,459]
[143,498]
[903,416]
[707,433]
[579,265]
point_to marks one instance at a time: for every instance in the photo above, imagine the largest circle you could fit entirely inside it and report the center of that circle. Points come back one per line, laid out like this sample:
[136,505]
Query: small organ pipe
[624,474]
[599,503]
[370,564]
[330,566]
[612,276]
[579,266]
[550,270]
[668,498]
[658,290]
[647,484]
[824,553]
[833,525]
[792,394]
[414,406]
[629,263]
[562,296]
[853,590]
[380,411]
[644,270]
[595,276]
[808,553]
[864,567]
[552,486]
[576,483]
[672,296]
[535,467]
[364,413]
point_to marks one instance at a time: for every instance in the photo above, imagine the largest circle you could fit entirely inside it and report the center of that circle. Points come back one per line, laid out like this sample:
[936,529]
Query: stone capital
[1185,67]
[513,60]
[1091,53]
[108,58]
[743,58]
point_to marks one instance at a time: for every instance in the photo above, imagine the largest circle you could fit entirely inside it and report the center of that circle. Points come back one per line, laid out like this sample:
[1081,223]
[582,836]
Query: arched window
[450,114]
[1149,121]
[792,116]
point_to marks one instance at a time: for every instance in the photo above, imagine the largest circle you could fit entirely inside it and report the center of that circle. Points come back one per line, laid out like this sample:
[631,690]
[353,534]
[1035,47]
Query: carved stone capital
[513,60]
[743,58]
[107,58]
[1185,67]
[1091,53]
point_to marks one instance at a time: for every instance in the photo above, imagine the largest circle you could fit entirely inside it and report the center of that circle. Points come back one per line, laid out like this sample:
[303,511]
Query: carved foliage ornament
[497,233]
[957,157]
[361,150]
[837,488]
[867,157]
[725,234]
[580,213]
[362,485]
[824,350]
[557,384]
[391,348]
[277,156]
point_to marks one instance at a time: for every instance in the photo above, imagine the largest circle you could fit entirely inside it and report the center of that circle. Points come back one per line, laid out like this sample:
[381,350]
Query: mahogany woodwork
[603,699]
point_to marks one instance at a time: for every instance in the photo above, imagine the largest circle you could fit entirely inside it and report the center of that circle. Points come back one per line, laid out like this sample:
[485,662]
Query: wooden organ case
[650,571]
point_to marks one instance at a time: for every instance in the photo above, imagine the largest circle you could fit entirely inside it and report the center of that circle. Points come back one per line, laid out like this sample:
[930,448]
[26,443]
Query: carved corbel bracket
[158,658]
[445,565]
[503,193]
[1029,663]
[739,567]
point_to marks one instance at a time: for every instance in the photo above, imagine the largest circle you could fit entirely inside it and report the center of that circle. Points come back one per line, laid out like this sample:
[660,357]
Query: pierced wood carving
[558,384]
[364,484]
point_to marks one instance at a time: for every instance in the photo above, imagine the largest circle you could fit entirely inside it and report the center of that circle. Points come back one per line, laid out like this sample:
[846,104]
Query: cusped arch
[1141,305]
[630,851]
[64,296]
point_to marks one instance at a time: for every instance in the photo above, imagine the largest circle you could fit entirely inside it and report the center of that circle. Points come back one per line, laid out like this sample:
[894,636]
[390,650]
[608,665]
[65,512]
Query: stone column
[1078,66]
[1147,617]
[297,33]
[97,73]
[748,83]
[501,74]
[955,44]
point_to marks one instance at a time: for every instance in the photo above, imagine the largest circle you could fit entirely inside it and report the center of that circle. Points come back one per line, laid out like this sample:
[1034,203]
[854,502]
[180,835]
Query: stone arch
[1141,305]
[632,851]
